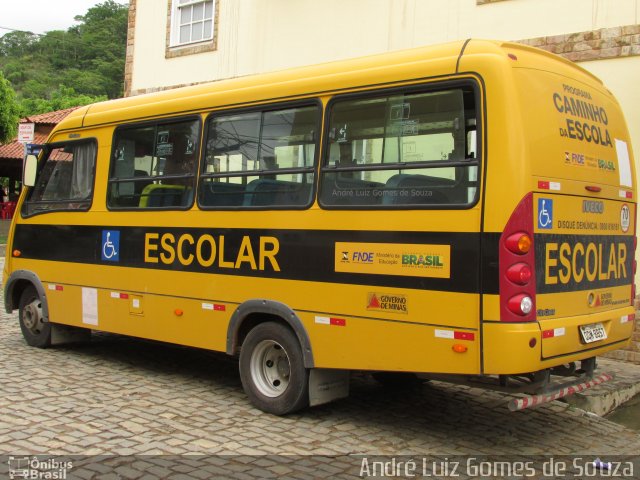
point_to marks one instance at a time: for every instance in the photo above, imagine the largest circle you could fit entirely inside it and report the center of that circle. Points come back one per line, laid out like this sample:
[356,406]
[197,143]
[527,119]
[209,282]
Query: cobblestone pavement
[123,396]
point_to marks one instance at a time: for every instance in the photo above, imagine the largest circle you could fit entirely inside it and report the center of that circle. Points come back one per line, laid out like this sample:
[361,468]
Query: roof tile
[15,150]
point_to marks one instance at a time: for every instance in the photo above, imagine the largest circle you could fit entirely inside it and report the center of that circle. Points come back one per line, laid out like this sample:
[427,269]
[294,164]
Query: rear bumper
[562,335]
[512,348]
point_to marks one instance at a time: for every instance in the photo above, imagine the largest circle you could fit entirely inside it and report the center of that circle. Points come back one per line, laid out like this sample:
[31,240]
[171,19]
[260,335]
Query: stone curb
[605,398]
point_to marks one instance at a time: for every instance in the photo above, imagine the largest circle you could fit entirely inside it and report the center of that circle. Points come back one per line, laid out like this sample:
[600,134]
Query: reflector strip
[57,288]
[625,194]
[451,334]
[534,400]
[217,307]
[338,322]
[556,332]
[544,185]
[444,334]
[627,318]
[464,336]
[123,296]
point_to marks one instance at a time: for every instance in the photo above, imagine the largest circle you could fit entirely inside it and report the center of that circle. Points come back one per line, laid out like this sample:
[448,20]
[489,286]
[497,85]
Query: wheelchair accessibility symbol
[111,245]
[545,213]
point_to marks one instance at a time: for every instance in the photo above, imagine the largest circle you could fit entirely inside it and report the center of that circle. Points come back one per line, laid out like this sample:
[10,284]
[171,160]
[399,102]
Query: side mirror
[29,171]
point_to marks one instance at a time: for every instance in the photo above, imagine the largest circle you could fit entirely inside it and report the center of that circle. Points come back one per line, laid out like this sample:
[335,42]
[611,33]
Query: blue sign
[111,245]
[545,213]
[33,149]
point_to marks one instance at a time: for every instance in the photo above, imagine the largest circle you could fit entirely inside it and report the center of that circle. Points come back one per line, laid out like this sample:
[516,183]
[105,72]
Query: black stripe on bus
[307,255]
[566,263]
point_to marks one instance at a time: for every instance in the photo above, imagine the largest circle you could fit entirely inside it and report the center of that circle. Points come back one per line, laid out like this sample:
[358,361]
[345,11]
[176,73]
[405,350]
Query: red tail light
[519,273]
[517,265]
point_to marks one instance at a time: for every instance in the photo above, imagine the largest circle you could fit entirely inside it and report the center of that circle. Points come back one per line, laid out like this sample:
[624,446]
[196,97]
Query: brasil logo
[430,261]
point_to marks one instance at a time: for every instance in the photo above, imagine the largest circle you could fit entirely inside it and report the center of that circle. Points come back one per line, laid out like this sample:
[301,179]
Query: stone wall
[131,35]
[632,352]
[592,45]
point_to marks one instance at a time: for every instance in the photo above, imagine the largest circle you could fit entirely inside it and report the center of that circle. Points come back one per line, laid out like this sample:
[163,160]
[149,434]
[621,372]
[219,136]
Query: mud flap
[326,385]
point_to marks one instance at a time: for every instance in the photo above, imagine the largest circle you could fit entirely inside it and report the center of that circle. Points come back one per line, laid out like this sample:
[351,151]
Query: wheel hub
[270,368]
[284,369]
[32,317]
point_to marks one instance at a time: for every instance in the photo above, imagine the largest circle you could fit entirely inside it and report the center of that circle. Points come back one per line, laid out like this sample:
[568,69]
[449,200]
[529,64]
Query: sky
[40,16]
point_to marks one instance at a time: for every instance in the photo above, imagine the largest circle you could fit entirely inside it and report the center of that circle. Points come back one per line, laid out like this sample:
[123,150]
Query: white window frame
[176,8]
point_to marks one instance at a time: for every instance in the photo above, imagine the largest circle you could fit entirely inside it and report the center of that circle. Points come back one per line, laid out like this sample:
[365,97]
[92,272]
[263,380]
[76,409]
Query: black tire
[272,369]
[398,380]
[35,330]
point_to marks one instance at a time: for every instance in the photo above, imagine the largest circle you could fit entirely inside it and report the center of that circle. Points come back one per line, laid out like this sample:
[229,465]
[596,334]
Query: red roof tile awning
[44,122]
[15,149]
[49,118]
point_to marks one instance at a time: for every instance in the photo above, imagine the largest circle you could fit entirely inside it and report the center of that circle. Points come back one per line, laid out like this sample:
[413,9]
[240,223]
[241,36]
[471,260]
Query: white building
[182,42]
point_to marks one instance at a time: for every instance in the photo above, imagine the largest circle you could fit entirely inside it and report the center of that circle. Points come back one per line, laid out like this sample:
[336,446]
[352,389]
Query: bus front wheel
[35,329]
[272,369]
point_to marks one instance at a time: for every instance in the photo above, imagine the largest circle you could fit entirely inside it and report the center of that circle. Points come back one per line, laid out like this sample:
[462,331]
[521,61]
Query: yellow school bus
[464,211]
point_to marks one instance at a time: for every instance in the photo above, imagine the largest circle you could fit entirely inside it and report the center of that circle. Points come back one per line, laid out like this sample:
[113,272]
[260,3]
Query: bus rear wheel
[35,329]
[272,369]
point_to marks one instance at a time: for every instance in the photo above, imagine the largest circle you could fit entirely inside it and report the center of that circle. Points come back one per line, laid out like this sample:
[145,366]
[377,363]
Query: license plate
[594,332]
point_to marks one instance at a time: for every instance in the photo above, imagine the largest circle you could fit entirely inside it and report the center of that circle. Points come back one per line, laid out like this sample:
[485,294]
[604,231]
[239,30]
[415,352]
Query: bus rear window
[405,149]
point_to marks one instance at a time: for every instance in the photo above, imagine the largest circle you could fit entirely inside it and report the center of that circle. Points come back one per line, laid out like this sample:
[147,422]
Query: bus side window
[259,159]
[153,166]
[413,149]
[65,178]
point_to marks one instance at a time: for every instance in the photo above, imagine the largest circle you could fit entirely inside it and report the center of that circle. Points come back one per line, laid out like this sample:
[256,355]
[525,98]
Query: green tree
[8,111]
[83,63]
[108,20]
[17,44]
[60,99]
